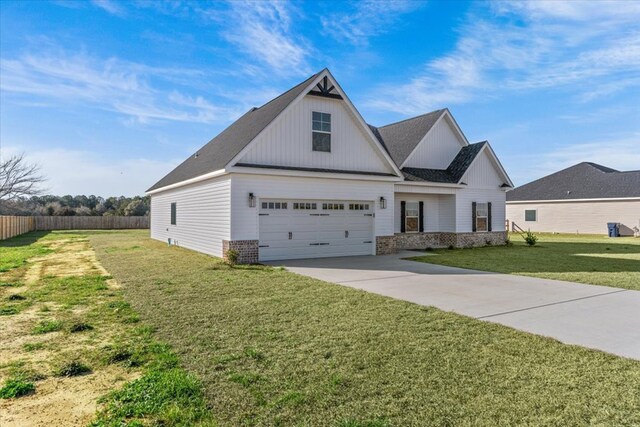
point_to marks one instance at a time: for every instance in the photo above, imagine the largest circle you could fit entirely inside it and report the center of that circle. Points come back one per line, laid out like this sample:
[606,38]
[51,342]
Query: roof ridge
[600,167]
[291,89]
[411,118]
[477,143]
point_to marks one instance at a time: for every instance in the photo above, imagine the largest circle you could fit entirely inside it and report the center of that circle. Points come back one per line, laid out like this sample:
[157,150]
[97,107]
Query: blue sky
[108,96]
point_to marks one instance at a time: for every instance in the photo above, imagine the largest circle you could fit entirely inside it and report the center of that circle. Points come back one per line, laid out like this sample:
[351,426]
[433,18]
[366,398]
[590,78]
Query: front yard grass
[595,260]
[274,348]
[68,337]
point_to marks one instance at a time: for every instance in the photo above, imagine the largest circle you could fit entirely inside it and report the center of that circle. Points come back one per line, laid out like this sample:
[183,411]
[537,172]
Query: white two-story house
[304,176]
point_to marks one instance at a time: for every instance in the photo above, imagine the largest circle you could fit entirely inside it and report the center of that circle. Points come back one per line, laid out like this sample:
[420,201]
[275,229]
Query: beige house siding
[585,217]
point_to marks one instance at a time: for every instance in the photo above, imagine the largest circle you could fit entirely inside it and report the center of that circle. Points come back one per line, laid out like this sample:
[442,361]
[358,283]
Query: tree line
[81,205]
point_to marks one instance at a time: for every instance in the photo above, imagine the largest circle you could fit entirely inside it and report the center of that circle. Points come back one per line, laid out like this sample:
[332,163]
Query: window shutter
[421,217]
[489,216]
[403,208]
[473,216]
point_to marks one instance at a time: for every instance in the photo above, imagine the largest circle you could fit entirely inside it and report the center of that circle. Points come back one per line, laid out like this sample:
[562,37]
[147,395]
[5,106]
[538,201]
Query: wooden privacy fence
[91,222]
[11,226]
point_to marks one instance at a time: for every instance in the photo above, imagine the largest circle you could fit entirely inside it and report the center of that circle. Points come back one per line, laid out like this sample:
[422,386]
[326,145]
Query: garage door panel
[314,233]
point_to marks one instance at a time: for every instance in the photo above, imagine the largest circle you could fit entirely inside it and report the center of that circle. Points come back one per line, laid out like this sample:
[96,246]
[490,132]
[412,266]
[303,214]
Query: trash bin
[614,229]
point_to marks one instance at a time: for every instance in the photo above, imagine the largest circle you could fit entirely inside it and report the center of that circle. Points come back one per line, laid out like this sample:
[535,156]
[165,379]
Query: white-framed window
[274,205]
[412,217]
[530,215]
[321,131]
[482,217]
[173,213]
[305,205]
[358,206]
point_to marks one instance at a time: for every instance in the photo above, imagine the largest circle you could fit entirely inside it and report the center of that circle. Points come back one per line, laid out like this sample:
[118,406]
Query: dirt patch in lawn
[57,292]
[63,401]
[70,257]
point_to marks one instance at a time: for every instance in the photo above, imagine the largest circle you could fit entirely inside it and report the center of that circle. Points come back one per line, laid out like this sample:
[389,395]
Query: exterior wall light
[252,200]
[383,203]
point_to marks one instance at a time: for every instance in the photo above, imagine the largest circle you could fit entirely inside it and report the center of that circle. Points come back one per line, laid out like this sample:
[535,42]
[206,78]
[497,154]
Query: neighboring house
[579,199]
[304,176]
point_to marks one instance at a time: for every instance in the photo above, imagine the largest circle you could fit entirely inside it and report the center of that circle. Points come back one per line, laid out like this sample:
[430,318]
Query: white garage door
[314,228]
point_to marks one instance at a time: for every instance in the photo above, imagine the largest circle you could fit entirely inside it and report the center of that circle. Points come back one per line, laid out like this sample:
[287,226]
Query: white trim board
[200,178]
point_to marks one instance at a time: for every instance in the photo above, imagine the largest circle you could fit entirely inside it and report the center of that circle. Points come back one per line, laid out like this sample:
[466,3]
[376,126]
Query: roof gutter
[200,178]
[311,174]
[432,184]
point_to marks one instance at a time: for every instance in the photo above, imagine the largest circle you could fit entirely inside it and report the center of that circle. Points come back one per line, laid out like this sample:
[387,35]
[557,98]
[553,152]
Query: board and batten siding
[439,211]
[464,211]
[288,140]
[483,174]
[244,225]
[483,186]
[447,215]
[438,148]
[203,217]
[585,217]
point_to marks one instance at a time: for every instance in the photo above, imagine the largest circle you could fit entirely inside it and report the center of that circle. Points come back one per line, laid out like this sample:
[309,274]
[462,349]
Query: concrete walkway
[597,317]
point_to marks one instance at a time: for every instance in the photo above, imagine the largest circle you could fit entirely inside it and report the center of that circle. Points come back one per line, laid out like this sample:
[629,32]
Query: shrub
[231,257]
[16,388]
[530,238]
[72,369]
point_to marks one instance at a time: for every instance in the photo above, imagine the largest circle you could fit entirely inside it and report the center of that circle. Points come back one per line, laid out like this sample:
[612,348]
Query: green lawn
[68,321]
[15,252]
[274,348]
[595,260]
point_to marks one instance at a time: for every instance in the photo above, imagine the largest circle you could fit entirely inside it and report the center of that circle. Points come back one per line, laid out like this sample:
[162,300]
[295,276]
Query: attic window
[321,131]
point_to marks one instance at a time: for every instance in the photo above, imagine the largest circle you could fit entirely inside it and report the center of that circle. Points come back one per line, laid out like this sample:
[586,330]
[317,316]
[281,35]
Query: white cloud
[594,50]
[263,31]
[368,19]
[110,6]
[92,174]
[576,10]
[128,88]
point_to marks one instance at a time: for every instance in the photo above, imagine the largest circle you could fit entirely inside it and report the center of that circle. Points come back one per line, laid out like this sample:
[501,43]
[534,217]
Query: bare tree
[19,178]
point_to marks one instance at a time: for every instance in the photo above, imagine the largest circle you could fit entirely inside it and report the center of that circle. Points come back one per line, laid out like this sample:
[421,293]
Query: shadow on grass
[23,239]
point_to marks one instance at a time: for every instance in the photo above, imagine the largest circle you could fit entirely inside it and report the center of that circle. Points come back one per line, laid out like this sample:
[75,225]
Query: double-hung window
[321,131]
[412,217]
[482,217]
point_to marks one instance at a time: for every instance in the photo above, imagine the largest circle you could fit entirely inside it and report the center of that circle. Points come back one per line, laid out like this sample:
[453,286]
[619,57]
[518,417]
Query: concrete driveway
[597,317]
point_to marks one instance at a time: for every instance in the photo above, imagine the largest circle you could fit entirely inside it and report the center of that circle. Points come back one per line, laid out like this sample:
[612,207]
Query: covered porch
[436,217]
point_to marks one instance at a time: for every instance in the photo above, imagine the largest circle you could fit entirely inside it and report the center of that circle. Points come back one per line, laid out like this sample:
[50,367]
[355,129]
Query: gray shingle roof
[401,138]
[454,172]
[398,139]
[582,181]
[218,152]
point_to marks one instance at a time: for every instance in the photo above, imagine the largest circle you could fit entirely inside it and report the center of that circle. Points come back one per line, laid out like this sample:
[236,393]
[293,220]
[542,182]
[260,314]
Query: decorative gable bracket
[324,90]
